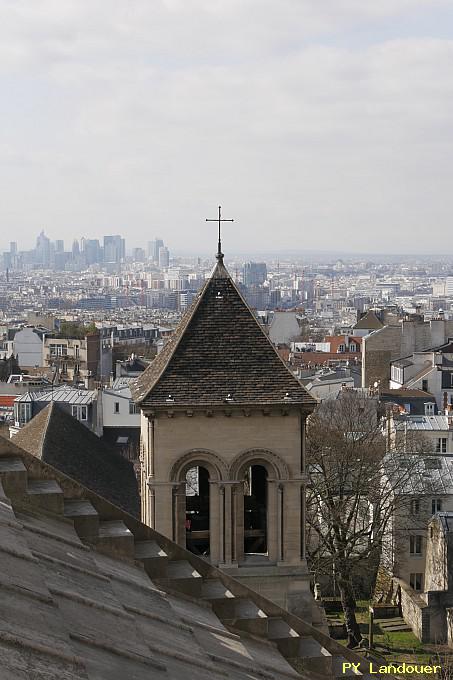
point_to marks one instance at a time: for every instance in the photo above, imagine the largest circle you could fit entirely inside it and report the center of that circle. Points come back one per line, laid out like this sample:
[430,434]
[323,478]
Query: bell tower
[222,437]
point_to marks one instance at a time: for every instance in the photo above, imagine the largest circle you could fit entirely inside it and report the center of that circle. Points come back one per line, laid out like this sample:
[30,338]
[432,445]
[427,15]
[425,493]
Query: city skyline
[313,124]
[301,254]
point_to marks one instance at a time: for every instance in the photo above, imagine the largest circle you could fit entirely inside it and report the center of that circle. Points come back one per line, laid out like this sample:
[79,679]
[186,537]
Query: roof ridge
[50,409]
[238,327]
[260,326]
[168,347]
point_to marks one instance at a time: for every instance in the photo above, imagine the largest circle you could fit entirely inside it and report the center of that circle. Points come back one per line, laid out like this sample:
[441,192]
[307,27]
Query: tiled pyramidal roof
[57,438]
[219,349]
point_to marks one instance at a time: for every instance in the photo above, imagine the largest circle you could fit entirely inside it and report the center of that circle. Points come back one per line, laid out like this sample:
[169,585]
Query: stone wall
[394,342]
[436,575]
[226,443]
[378,350]
[415,612]
[449,613]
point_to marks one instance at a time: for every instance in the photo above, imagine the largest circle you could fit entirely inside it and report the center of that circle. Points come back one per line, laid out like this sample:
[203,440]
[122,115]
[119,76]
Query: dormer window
[429,408]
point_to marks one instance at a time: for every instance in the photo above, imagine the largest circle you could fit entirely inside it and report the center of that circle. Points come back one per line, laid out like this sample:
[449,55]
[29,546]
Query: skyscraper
[164,257]
[75,249]
[150,250]
[254,273]
[114,249]
[42,250]
[92,251]
[158,243]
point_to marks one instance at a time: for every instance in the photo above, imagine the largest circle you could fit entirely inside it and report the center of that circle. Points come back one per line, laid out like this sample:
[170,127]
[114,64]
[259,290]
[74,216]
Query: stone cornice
[226,410]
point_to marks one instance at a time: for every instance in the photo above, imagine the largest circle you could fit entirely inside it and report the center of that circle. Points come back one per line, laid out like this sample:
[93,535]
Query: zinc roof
[66,394]
[424,423]
[419,474]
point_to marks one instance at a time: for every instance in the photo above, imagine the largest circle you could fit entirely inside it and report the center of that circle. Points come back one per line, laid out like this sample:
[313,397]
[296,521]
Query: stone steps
[14,476]
[46,494]
[213,590]
[154,559]
[85,518]
[181,575]
[113,537]
[116,539]
[248,617]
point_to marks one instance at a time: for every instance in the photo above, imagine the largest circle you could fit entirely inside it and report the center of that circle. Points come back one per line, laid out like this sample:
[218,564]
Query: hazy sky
[315,123]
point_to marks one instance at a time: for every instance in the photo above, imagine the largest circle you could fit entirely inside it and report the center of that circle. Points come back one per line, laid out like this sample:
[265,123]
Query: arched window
[197,510]
[255,510]
[196,478]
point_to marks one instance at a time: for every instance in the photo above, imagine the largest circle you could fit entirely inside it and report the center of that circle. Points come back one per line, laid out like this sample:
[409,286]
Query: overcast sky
[315,123]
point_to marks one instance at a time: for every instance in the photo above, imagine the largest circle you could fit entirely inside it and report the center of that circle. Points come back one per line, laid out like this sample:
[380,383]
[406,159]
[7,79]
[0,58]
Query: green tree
[349,502]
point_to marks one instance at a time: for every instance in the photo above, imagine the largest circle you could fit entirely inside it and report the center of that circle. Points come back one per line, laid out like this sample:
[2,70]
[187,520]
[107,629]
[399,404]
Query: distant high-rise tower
[13,248]
[59,246]
[42,250]
[138,254]
[92,251]
[75,249]
[164,257]
[114,249]
[158,243]
[150,250]
[254,273]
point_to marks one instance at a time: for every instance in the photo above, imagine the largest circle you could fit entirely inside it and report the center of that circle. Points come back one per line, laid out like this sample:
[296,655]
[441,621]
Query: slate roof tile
[219,349]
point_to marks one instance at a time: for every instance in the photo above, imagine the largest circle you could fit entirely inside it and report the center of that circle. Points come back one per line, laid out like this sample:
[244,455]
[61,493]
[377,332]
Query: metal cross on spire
[219,219]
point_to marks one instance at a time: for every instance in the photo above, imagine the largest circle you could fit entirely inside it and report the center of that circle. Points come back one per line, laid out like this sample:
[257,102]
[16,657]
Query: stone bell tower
[222,438]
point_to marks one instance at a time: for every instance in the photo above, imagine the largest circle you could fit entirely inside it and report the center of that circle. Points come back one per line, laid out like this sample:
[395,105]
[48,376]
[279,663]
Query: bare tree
[351,499]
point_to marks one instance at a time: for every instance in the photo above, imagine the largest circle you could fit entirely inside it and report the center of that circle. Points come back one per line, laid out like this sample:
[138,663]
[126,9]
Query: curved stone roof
[90,593]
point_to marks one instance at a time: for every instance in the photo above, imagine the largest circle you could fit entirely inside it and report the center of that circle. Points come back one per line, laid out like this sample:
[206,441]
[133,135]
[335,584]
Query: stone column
[215,534]
[228,525]
[161,499]
[179,514]
[291,521]
[303,527]
[222,539]
[231,524]
[272,523]
[237,522]
[280,527]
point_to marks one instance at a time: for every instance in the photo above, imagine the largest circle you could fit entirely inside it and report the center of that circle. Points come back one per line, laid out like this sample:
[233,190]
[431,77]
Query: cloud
[143,116]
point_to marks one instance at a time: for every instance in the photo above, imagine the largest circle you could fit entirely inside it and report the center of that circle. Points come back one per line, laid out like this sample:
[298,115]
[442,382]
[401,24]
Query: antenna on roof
[219,219]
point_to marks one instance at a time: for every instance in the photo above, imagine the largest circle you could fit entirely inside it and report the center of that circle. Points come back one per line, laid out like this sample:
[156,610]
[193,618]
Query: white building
[429,370]
[27,345]
[427,490]
[328,384]
[436,432]
[118,409]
